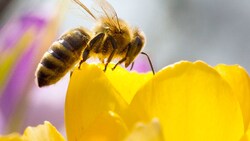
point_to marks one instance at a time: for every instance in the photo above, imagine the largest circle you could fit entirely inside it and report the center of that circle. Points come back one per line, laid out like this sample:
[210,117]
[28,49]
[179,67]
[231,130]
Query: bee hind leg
[85,56]
[80,63]
[93,44]
[71,72]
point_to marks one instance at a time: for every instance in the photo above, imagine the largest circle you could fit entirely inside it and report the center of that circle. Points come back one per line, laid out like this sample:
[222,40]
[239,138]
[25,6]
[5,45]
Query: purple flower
[23,41]
[141,64]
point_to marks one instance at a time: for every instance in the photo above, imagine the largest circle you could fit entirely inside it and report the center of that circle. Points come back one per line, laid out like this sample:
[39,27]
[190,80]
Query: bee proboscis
[111,38]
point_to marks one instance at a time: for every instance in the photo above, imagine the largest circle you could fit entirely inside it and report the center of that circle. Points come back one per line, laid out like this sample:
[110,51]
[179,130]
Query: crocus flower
[183,101]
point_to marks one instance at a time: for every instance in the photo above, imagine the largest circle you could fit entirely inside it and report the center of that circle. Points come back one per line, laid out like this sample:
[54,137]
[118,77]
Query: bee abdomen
[50,70]
[62,53]
[46,76]
[61,57]
[52,63]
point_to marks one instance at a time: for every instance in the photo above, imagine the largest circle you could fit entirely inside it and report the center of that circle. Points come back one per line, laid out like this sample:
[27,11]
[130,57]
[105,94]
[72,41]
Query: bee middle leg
[123,59]
[114,47]
[119,62]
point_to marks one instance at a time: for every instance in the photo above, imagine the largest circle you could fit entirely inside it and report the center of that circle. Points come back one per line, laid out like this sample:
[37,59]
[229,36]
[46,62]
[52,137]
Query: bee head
[135,47]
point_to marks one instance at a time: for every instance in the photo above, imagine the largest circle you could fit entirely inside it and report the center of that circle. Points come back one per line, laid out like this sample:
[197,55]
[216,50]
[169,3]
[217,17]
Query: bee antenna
[151,65]
[85,8]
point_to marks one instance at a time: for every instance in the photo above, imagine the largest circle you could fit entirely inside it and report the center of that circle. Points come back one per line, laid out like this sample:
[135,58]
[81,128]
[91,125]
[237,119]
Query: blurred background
[215,31]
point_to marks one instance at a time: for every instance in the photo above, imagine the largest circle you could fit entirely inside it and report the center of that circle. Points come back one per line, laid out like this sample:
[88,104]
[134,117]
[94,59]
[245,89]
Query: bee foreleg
[114,46]
[132,65]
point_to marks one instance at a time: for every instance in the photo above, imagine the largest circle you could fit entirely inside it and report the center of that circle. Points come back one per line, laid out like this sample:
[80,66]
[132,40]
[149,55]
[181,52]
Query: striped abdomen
[61,56]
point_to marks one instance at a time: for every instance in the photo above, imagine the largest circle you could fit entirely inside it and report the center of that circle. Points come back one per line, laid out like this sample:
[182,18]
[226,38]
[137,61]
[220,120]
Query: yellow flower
[45,132]
[184,101]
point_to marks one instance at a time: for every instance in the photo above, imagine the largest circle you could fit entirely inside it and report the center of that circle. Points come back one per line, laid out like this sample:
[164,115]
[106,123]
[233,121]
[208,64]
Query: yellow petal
[146,132]
[127,83]
[12,137]
[246,136]
[239,81]
[45,132]
[90,93]
[192,102]
[106,127]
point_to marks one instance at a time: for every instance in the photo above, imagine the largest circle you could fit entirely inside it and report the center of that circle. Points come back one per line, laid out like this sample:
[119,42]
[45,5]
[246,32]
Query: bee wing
[108,11]
[102,9]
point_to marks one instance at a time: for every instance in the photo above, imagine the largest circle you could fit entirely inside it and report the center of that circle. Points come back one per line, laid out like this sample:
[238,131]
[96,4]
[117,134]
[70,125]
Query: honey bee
[111,38]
